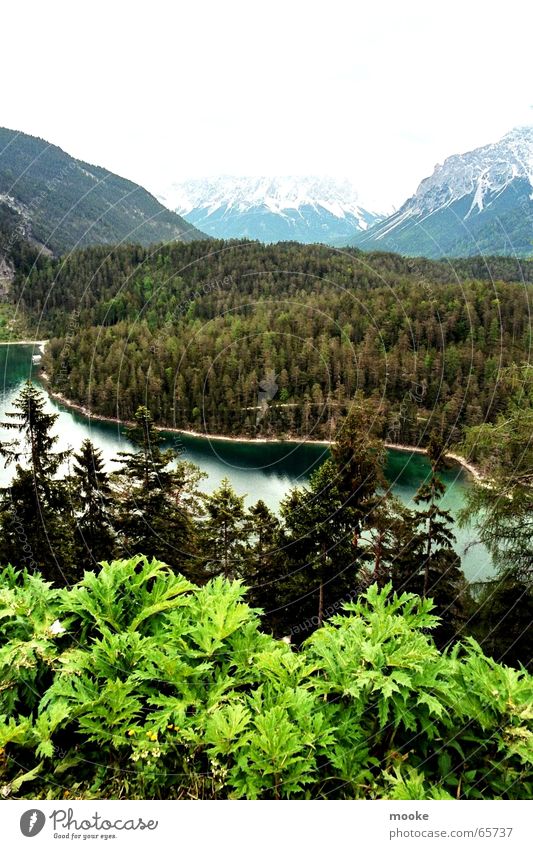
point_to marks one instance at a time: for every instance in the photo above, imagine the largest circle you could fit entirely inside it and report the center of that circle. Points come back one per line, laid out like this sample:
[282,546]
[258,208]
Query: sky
[376,92]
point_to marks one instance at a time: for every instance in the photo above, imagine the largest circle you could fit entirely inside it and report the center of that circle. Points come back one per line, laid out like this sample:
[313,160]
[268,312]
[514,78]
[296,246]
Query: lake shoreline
[62,399]
[79,408]
[39,342]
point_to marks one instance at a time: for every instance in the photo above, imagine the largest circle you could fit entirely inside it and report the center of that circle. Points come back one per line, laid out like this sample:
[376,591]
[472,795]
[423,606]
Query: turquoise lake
[257,470]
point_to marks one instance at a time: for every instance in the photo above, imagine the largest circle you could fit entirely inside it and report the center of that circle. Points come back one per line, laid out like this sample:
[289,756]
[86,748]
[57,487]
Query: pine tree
[263,562]
[432,568]
[501,505]
[151,517]
[320,545]
[502,620]
[359,457]
[35,425]
[93,498]
[264,528]
[437,522]
[224,532]
[35,510]
[324,522]
[385,531]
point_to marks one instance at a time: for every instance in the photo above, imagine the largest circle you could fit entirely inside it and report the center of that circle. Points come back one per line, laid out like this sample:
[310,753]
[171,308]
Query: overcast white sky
[378,92]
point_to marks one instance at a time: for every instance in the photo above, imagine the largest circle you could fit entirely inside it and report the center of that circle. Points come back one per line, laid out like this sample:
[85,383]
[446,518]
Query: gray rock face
[476,202]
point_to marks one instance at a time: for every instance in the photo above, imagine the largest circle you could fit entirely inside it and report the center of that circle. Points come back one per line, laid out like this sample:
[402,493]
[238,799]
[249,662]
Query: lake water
[257,470]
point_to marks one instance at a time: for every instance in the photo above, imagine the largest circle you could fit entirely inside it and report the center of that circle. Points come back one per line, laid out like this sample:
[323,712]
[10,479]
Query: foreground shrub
[137,684]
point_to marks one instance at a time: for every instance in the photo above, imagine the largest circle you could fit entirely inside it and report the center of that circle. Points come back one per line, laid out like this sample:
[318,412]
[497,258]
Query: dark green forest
[192,331]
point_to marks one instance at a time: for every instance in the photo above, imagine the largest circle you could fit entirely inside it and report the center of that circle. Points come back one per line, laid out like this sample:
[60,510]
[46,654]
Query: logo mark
[267,391]
[32,822]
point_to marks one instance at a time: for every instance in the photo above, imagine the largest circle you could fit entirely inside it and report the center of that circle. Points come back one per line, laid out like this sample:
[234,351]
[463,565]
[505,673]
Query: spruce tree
[325,550]
[433,568]
[93,499]
[224,532]
[501,504]
[262,568]
[151,517]
[321,548]
[35,510]
[359,457]
[502,620]
[36,447]
[385,532]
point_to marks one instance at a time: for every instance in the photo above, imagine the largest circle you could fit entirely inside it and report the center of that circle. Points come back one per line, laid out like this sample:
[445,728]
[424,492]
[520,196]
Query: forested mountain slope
[48,197]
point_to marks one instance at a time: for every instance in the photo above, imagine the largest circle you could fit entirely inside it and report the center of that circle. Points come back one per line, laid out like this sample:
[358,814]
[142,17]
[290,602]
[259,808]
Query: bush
[136,684]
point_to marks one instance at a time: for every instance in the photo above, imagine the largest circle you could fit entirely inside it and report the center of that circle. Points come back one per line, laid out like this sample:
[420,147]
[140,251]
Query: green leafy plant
[137,684]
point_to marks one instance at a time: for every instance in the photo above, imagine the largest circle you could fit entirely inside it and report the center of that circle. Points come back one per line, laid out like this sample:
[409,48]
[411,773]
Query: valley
[265,489]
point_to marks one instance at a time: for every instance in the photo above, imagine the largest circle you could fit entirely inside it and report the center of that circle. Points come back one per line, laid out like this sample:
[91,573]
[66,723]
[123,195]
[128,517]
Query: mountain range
[480,202]
[56,202]
[272,209]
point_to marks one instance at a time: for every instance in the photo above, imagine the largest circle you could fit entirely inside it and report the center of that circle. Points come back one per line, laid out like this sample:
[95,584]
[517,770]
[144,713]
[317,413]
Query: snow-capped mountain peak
[271,208]
[481,172]
[475,202]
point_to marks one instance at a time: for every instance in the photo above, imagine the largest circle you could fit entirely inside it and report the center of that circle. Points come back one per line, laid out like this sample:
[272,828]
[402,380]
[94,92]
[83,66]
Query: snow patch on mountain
[283,196]
[482,173]
[479,202]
